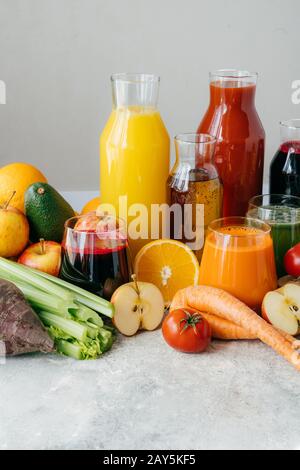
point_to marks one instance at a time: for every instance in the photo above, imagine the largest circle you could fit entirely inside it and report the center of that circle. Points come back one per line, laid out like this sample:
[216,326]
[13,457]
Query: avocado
[47,212]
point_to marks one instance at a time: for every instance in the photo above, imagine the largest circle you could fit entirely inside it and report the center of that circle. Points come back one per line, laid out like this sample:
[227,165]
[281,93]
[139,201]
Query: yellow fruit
[18,177]
[91,206]
[14,232]
[168,264]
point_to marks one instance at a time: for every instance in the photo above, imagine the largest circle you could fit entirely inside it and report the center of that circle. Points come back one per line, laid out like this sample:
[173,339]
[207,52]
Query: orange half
[169,264]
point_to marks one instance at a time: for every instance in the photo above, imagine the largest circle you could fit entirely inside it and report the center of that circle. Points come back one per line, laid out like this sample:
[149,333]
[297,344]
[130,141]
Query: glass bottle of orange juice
[134,154]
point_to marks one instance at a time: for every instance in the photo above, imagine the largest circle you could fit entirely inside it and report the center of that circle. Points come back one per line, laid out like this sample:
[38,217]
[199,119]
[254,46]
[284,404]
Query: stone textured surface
[144,395]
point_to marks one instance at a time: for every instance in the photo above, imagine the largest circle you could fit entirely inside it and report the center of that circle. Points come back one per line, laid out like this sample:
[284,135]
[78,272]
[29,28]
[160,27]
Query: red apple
[44,256]
[280,312]
[87,223]
[102,225]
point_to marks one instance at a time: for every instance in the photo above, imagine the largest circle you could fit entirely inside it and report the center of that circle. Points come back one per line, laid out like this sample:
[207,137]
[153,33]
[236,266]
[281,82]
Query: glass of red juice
[95,253]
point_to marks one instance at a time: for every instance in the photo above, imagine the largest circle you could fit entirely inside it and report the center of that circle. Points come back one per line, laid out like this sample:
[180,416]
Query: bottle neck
[233,87]
[135,91]
[194,158]
[192,148]
[194,161]
[230,94]
[290,132]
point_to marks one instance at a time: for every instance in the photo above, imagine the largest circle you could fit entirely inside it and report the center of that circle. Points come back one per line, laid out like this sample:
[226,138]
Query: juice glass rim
[135,77]
[121,226]
[232,74]
[236,221]
[191,138]
[291,123]
[274,196]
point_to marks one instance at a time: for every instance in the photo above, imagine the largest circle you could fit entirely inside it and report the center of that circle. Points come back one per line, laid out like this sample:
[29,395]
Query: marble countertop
[144,395]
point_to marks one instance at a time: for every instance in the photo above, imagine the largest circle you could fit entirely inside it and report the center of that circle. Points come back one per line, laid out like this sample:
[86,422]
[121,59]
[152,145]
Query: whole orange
[18,177]
[91,205]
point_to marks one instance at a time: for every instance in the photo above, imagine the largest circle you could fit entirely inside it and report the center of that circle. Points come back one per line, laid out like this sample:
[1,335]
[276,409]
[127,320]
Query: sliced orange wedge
[168,264]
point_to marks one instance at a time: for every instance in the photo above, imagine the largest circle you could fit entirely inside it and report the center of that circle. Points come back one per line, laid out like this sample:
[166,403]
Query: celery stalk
[69,349]
[70,327]
[70,341]
[85,314]
[92,330]
[42,301]
[21,273]
[106,339]
[82,296]
[60,312]
[106,308]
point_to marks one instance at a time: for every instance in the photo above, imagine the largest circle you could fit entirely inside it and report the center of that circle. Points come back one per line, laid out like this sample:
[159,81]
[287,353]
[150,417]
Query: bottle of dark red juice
[285,166]
[95,253]
[239,155]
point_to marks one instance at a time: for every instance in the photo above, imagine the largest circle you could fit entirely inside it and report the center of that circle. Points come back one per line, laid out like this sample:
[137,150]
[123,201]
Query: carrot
[221,328]
[219,302]
[294,342]
[179,300]
[226,330]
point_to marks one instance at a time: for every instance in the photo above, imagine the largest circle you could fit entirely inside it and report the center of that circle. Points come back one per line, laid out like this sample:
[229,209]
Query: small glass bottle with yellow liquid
[194,182]
[134,154]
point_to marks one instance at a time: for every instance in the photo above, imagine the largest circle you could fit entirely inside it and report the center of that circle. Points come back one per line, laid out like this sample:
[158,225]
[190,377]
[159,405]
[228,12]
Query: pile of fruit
[39,311]
[32,219]
[32,211]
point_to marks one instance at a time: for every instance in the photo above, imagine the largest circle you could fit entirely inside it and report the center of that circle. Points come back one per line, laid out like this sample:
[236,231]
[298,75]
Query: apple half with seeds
[138,306]
[281,308]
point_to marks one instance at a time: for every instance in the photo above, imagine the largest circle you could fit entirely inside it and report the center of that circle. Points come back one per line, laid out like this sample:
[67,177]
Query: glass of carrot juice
[239,258]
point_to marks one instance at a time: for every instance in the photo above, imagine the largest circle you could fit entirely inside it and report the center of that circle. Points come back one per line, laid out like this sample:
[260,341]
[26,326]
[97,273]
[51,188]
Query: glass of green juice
[282,213]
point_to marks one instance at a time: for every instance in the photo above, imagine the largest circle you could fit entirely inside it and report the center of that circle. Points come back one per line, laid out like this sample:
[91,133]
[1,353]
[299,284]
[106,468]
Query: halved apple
[277,311]
[138,306]
[291,293]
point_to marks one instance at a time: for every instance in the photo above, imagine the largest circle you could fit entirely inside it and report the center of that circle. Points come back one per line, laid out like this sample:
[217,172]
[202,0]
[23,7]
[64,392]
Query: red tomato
[187,331]
[292,261]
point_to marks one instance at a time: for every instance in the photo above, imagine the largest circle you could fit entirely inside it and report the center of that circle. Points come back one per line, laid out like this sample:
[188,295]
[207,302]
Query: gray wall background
[56,57]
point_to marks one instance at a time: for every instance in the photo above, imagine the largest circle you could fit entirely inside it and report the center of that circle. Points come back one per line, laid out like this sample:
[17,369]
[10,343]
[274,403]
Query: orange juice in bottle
[134,151]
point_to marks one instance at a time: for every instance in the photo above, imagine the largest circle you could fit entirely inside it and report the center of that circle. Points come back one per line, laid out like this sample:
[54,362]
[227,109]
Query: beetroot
[20,328]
